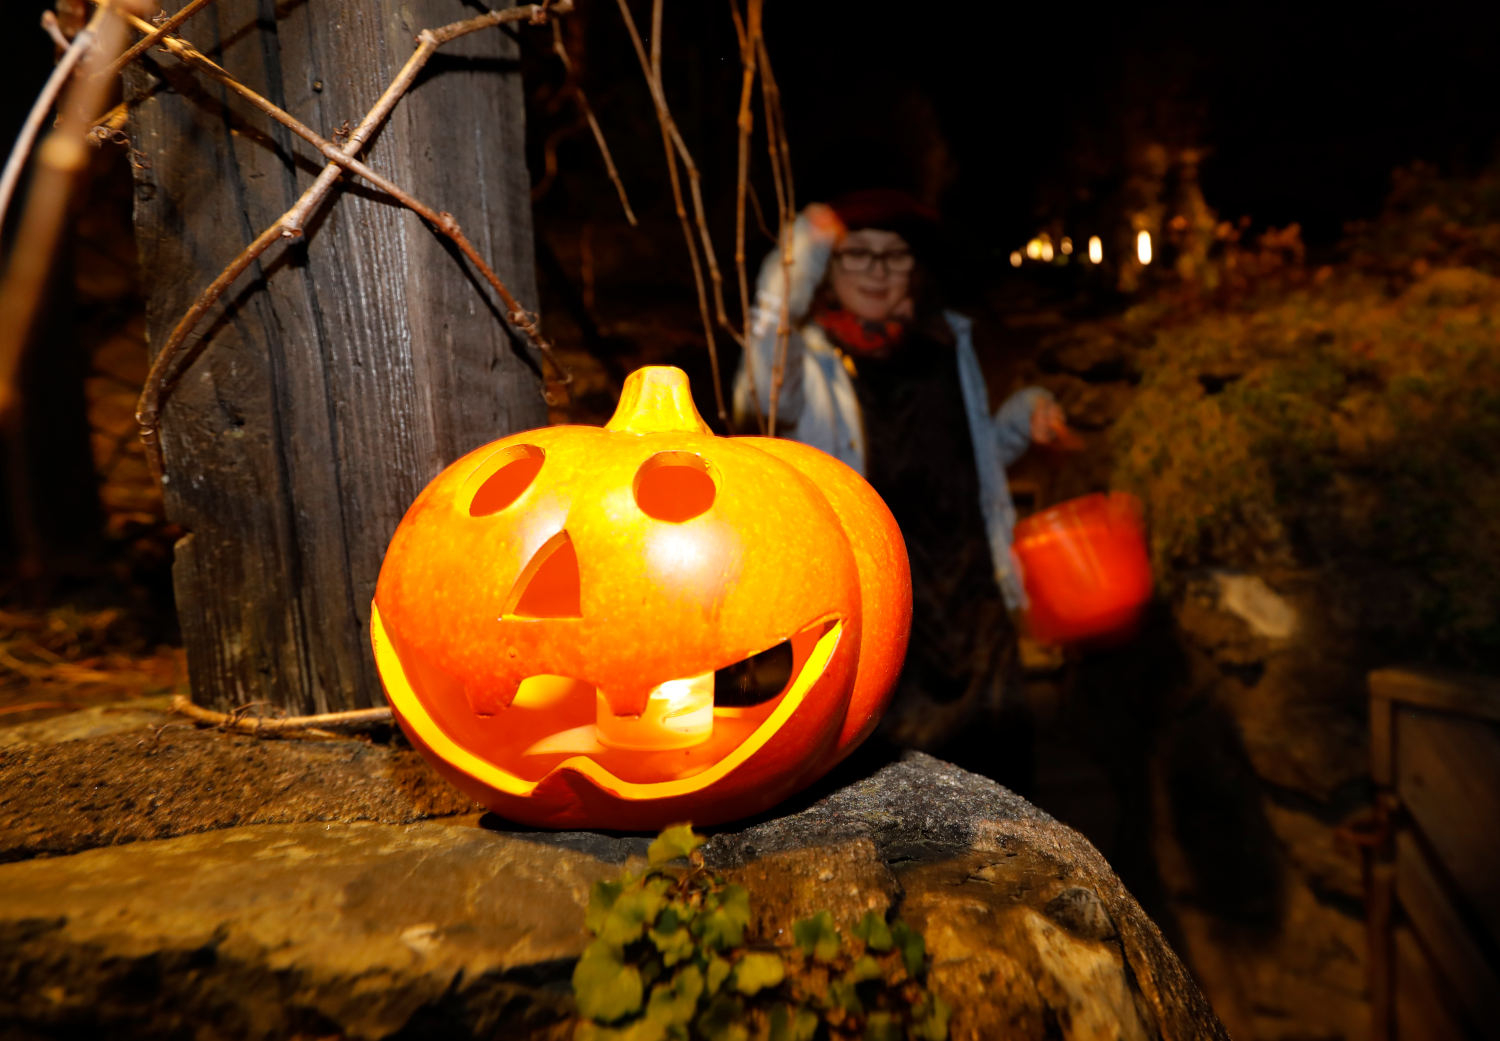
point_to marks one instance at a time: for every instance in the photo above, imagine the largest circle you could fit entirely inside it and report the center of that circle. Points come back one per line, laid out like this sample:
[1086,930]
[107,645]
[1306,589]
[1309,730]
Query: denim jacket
[819,405]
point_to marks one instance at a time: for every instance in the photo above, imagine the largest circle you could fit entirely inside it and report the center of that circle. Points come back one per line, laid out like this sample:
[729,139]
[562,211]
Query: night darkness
[1308,434]
[1304,109]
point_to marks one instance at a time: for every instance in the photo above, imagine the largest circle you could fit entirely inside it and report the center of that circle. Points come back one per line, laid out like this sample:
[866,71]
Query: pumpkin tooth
[677,714]
[627,701]
[492,695]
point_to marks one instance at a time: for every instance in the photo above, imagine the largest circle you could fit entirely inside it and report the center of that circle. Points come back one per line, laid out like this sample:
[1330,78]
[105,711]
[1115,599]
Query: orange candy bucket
[1085,567]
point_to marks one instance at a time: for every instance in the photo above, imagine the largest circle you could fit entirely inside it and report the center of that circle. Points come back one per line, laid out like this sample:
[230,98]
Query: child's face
[871,275]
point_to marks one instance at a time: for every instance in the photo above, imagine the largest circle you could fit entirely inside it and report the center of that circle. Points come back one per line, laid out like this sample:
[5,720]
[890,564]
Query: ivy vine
[670,961]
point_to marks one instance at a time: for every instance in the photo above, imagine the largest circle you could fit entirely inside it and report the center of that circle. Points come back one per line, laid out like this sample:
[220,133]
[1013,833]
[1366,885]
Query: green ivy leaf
[841,994]
[676,841]
[817,937]
[873,930]
[864,968]
[882,1026]
[675,945]
[932,1020]
[673,1004]
[717,973]
[602,897]
[606,987]
[793,1024]
[627,919]
[721,925]
[913,948]
[723,1020]
[758,970]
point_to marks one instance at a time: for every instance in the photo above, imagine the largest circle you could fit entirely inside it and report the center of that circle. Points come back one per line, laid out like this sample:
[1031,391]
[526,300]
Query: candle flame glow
[1096,250]
[1143,247]
[679,714]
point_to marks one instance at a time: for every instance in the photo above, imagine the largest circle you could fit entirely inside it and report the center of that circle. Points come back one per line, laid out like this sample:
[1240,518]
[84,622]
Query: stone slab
[467,927]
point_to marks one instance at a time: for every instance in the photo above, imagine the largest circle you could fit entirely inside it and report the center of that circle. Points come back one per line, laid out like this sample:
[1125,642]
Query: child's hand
[826,226]
[1050,426]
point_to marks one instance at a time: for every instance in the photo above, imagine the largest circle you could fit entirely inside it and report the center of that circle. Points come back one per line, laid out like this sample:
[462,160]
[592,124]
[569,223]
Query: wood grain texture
[345,371]
[1448,780]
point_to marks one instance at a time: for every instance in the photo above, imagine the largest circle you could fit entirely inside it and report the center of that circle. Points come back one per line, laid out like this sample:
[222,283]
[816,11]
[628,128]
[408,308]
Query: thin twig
[786,216]
[651,68]
[588,113]
[43,105]
[291,224]
[53,28]
[746,124]
[153,37]
[62,156]
[304,725]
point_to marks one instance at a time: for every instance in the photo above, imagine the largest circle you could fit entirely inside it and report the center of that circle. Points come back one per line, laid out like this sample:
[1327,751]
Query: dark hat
[888,209]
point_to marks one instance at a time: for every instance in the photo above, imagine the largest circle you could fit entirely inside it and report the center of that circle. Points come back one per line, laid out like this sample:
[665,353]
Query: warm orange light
[1143,247]
[1034,249]
[1015,258]
[679,714]
[1096,250]
[1066,245]
[641,624]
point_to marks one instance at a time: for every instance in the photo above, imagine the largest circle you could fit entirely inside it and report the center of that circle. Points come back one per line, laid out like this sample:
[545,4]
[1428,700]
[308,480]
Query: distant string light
[1034,249]
[1096,250]
[1143,247]
[1015,258]
[1066,246]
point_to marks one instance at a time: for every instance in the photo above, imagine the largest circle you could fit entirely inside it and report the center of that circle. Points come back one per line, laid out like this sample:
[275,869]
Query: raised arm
[813,235]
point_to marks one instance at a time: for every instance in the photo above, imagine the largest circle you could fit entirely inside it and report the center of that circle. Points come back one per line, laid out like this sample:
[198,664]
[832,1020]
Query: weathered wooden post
[343,372]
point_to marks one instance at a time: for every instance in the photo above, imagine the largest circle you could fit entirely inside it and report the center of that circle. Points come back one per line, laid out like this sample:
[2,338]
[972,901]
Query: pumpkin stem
[655,399]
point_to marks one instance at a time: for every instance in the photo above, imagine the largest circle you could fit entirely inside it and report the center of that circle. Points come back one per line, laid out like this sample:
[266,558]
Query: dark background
[1030,111]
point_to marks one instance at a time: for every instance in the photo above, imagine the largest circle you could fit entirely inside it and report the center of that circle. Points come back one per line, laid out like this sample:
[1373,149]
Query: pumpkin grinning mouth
[681,714]
[552,724]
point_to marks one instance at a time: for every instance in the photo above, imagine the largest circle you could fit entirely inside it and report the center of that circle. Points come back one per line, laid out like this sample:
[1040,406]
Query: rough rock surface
[467,926]
[174,780]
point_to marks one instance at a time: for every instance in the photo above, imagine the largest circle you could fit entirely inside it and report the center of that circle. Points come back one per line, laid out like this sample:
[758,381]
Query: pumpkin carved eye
[674,486]
[519,465]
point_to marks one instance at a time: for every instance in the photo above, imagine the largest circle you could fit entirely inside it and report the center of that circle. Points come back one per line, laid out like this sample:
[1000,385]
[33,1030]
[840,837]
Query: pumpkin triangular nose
[548,586]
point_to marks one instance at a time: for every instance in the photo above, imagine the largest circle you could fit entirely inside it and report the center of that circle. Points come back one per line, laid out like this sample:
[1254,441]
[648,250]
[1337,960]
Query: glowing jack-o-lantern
[644,623]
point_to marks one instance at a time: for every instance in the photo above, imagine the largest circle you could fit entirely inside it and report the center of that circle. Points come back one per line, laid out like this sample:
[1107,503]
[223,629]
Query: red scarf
[858,336]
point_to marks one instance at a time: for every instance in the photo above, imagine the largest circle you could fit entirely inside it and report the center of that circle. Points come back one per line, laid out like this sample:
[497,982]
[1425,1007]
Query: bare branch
[62,157]
[297,726]
[291,223]
[588,113]
[650,67]
[43,105]
[786,214]
[153,37]
[746,122]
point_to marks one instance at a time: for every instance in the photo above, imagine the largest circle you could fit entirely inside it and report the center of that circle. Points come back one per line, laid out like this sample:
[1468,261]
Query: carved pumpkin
[640,624]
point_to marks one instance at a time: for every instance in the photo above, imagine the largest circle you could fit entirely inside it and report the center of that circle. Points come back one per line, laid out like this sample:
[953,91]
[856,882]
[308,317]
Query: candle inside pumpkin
[679,714]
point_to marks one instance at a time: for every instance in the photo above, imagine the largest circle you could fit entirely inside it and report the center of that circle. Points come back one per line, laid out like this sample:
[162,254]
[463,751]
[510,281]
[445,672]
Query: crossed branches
[165,370]
[342,158]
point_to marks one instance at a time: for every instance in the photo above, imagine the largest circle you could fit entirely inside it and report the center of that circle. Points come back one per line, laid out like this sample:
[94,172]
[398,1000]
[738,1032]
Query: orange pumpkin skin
[552,580]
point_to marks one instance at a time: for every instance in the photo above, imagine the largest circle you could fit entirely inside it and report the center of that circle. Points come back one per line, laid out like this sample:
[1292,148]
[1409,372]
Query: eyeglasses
[857,261]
